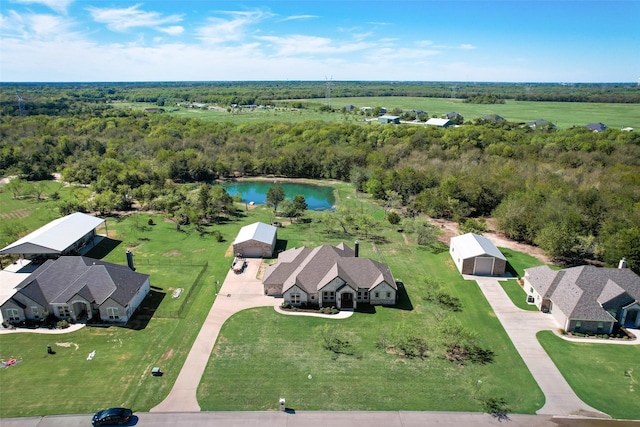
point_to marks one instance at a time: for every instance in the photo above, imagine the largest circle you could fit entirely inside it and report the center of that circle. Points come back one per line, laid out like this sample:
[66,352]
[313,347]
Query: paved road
[522,327]
[238,292]
[323,419]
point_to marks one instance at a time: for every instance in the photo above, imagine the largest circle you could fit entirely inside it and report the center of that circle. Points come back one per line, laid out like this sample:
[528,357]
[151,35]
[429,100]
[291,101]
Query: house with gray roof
[477,255]
[257,240]
[328,276]
[586,298]
[596,127]
[77,288]
[64,236]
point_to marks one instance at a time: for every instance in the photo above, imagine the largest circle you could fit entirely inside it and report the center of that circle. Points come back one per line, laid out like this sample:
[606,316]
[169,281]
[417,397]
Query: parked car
[112,417]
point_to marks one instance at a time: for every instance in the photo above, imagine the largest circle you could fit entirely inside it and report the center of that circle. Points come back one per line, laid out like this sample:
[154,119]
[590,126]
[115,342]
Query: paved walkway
[522,327]
[238,292]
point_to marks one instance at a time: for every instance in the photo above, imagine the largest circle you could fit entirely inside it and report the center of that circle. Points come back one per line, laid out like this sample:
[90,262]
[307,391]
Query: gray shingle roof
[586,292]
[58,281]
[310,269]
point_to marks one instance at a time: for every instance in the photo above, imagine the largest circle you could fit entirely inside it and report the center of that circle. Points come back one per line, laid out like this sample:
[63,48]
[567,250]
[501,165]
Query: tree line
[573,192]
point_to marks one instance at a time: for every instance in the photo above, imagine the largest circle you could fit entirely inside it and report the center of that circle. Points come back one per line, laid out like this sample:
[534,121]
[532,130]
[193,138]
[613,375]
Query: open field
[604,376]
[562,114]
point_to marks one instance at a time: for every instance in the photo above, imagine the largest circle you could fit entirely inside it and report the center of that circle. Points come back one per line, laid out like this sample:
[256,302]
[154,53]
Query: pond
[318,197]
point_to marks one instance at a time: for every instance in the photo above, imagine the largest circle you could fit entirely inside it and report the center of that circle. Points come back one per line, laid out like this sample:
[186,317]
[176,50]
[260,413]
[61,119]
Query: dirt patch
[17,214]
[167,355]
[229,251]
[172,253]
[67,344]
[199,250]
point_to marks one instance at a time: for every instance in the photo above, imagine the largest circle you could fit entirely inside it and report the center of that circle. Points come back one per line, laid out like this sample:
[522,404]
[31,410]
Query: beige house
[477,255]
[329,276]
[586,298]
[257,240]
[77,288]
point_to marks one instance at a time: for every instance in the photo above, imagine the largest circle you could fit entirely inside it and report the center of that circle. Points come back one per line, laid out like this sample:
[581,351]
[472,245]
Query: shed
[477,255]
[389,119]
[443,123]
[257,240]
[63,236]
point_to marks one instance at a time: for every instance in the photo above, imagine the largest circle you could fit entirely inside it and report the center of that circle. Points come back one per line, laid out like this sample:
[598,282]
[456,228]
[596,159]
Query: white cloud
[220,30]
[467,46]
[311,45]
[32,26]
[298,17]
[121,19]
[56,5]
[173,30]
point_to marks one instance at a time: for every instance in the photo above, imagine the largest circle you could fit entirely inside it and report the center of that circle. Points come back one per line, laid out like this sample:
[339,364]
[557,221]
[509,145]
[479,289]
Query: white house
[443,123]
[257,240]
[477,255]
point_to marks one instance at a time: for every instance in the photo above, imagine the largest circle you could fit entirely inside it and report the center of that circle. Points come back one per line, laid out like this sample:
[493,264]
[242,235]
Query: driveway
[522,327]
[238,292]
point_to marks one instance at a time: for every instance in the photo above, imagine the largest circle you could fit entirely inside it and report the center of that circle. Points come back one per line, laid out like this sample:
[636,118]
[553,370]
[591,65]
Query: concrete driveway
[522,327]
[238,292]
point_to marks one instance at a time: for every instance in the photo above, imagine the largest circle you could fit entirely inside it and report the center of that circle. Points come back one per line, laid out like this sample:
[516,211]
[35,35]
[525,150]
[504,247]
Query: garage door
[483,266]
[252,252]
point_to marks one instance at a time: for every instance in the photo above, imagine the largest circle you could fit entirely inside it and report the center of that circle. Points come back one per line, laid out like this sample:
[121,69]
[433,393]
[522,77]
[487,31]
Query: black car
[112,416]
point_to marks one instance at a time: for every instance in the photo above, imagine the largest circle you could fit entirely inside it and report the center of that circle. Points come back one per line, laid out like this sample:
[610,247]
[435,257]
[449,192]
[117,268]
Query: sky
[252,40]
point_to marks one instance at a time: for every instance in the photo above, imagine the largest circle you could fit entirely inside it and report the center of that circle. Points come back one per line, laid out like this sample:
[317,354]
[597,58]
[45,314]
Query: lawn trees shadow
[281,246]
[103,248]
[146,310]
[403,301]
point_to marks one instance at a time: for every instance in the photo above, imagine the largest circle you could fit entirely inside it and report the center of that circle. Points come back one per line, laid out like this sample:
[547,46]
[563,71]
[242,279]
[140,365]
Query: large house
[77,288]
[477,255]
[329,276]
[68,235]
[586,298]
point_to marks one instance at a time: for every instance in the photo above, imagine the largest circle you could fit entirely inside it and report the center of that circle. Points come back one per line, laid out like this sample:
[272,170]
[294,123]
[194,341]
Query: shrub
[393,218]
[63,324]
[150,221]
[285,305]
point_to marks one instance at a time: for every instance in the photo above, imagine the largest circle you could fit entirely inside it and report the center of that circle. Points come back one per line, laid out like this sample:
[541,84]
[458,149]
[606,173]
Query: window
[388,294]
[600,325]
[313,297]
[366,294]
[63,311]
[377,294]
[578,324]
[295,298]
[325,295]
[112,312]
[359,294]
[531,291]
[35,311]
[12,314]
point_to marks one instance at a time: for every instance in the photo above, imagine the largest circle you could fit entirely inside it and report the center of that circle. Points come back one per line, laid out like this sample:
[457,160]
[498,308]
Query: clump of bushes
[63,324]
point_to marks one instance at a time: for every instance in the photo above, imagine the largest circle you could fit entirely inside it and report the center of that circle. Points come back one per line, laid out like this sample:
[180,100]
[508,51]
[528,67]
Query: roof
[389,117]
[57,281]
[596,127]
[586,292]
[494,118]
[472,245]
[312,268]
[453,115]
[56,236]
[439,122]
[258,231]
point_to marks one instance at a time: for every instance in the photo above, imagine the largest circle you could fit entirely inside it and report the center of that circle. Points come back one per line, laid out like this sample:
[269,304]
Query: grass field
[261,356]
[562,114]
[606,377]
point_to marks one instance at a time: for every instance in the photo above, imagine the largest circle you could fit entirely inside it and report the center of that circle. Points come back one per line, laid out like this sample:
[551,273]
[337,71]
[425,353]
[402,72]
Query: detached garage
[257,240]
[477,255]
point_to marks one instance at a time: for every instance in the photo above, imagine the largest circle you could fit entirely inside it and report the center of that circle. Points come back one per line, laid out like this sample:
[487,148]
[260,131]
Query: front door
[632,317]
[346,300]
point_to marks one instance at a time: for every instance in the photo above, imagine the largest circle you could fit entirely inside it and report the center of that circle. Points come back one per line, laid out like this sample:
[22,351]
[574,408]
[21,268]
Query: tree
[275,195]
[300,203]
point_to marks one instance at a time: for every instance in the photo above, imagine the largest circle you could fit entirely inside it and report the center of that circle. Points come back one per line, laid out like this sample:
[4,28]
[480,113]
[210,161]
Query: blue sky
[181,40]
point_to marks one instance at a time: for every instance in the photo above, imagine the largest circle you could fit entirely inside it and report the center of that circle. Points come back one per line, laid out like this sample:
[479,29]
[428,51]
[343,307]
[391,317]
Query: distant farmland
[562,114]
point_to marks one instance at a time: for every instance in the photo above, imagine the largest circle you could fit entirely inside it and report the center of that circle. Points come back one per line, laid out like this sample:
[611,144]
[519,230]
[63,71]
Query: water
[318,197]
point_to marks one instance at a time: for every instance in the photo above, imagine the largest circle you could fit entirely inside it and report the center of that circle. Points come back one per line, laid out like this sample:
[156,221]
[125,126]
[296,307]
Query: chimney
[130,260]
[357,248]
[623,263]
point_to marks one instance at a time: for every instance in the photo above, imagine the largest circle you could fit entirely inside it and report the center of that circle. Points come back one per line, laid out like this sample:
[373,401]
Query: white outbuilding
[477,255]
[257,240]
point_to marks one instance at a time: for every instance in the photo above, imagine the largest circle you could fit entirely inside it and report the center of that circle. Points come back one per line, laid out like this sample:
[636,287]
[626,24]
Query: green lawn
[517,295]
[562,114]
[604,376]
